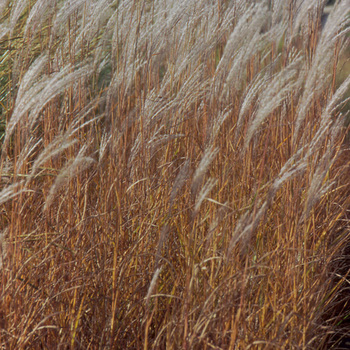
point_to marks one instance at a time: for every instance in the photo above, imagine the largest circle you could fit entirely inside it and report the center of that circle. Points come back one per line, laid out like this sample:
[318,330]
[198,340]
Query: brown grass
[174,175]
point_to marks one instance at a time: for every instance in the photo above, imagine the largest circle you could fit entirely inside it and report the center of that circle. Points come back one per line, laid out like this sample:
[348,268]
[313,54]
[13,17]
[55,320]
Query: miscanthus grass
[174,174]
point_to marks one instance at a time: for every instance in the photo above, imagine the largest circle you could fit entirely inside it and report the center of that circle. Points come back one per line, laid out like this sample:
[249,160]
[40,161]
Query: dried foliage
[174,174]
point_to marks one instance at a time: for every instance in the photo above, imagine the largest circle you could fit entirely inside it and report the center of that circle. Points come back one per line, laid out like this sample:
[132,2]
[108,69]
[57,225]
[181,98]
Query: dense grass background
[174,174]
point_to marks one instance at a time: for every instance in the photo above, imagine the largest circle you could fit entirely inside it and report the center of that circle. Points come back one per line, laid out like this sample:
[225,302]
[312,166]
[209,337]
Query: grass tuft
[174,174]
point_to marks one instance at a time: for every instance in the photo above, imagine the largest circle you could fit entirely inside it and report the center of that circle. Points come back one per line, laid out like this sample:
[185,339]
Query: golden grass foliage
[174,174]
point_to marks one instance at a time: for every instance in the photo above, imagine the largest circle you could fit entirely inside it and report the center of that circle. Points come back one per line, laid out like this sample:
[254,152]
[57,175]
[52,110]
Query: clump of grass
[173,175]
